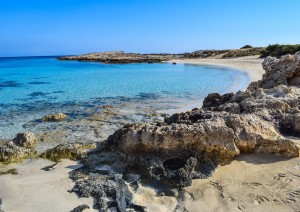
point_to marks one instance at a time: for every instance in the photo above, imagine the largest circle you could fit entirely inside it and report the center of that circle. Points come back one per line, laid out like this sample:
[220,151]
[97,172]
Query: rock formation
[72,151]
[121,57]
[283,71]
[189,145]
[124,58]
[25,139]
[57,117]
[10,152]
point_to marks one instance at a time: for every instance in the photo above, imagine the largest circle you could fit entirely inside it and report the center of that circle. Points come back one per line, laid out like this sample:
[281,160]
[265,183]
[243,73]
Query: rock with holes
[189,145]
[283,71]
[25,139]
[10,152]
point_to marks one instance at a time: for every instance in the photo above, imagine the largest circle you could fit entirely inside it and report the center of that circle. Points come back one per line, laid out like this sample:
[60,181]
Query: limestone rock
[25,139]
[283,71]
[72,151]
[57,117]
[191,144]
[9,152]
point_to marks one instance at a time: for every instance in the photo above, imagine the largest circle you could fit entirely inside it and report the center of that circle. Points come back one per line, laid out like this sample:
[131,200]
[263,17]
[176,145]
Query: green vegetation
[243,52]
[247,47]
[277,50]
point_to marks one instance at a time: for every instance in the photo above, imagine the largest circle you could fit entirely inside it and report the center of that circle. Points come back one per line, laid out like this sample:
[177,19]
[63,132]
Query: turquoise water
[39,85]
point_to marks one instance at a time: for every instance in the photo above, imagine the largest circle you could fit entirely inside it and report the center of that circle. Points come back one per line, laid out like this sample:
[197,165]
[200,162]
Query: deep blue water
[31,87]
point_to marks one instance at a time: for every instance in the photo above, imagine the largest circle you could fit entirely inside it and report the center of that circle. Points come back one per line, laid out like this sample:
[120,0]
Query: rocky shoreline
[185,146]
[120,57]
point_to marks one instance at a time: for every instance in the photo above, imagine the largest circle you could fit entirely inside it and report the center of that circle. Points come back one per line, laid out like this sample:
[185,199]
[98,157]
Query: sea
[32,87]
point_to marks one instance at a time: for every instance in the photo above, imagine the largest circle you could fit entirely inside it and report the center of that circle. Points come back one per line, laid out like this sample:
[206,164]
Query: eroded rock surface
[189,145]
[72,151]
[192,144]
[25,139]
[57,117]
[283,71]
[10,152]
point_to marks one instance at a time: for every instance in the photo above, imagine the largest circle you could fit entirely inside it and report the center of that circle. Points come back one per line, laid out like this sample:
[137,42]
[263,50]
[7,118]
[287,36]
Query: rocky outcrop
[191,144]
[124,58]
[25,139]
[108,191]
[121,57]
[72,151]
[21,147]
[10,152]
[57,117]
[283,71]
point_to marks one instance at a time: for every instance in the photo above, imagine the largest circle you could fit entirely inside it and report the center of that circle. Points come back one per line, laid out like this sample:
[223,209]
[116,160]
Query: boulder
[283,71]
[25,139]
[10,152]
[57,117]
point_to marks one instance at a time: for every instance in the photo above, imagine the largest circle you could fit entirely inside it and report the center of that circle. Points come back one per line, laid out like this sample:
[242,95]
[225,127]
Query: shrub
[277,50]
[247,47]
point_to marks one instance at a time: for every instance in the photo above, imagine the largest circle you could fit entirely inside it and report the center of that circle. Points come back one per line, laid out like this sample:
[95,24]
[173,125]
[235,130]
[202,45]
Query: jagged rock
[191,144]
[108,191]
[283,71]
[9,152]
[57,117]
[72,151]
[215,100]
[25,139]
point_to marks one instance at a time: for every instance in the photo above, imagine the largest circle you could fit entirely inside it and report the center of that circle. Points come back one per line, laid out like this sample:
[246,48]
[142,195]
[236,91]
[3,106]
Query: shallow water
[33,87]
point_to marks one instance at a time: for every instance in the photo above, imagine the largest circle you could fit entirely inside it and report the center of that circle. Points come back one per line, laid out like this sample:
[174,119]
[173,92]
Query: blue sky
[57,27]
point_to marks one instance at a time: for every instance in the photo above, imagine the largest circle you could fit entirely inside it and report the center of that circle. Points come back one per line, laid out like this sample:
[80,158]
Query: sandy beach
[250,64]
[34,189]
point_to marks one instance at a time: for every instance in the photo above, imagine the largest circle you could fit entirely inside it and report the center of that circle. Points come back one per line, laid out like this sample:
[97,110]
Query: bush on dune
[277,50]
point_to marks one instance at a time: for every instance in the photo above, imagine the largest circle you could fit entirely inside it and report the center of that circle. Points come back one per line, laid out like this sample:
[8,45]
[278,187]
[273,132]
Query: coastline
[251,65]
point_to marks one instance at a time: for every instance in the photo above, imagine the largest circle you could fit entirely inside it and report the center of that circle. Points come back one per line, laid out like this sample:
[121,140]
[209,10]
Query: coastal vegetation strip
[121,57]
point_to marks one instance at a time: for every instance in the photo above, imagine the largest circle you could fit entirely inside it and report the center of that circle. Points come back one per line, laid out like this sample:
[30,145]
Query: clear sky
[57,27]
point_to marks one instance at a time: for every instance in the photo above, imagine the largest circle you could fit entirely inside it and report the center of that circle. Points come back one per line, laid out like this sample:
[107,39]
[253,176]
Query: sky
[66,27]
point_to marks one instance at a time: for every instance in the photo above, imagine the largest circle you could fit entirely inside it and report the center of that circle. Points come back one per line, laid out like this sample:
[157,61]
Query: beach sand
[251,182]
[250,64]
[34,189]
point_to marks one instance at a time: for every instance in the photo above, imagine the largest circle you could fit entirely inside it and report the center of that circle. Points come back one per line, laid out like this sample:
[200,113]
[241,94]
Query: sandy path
[33,189]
